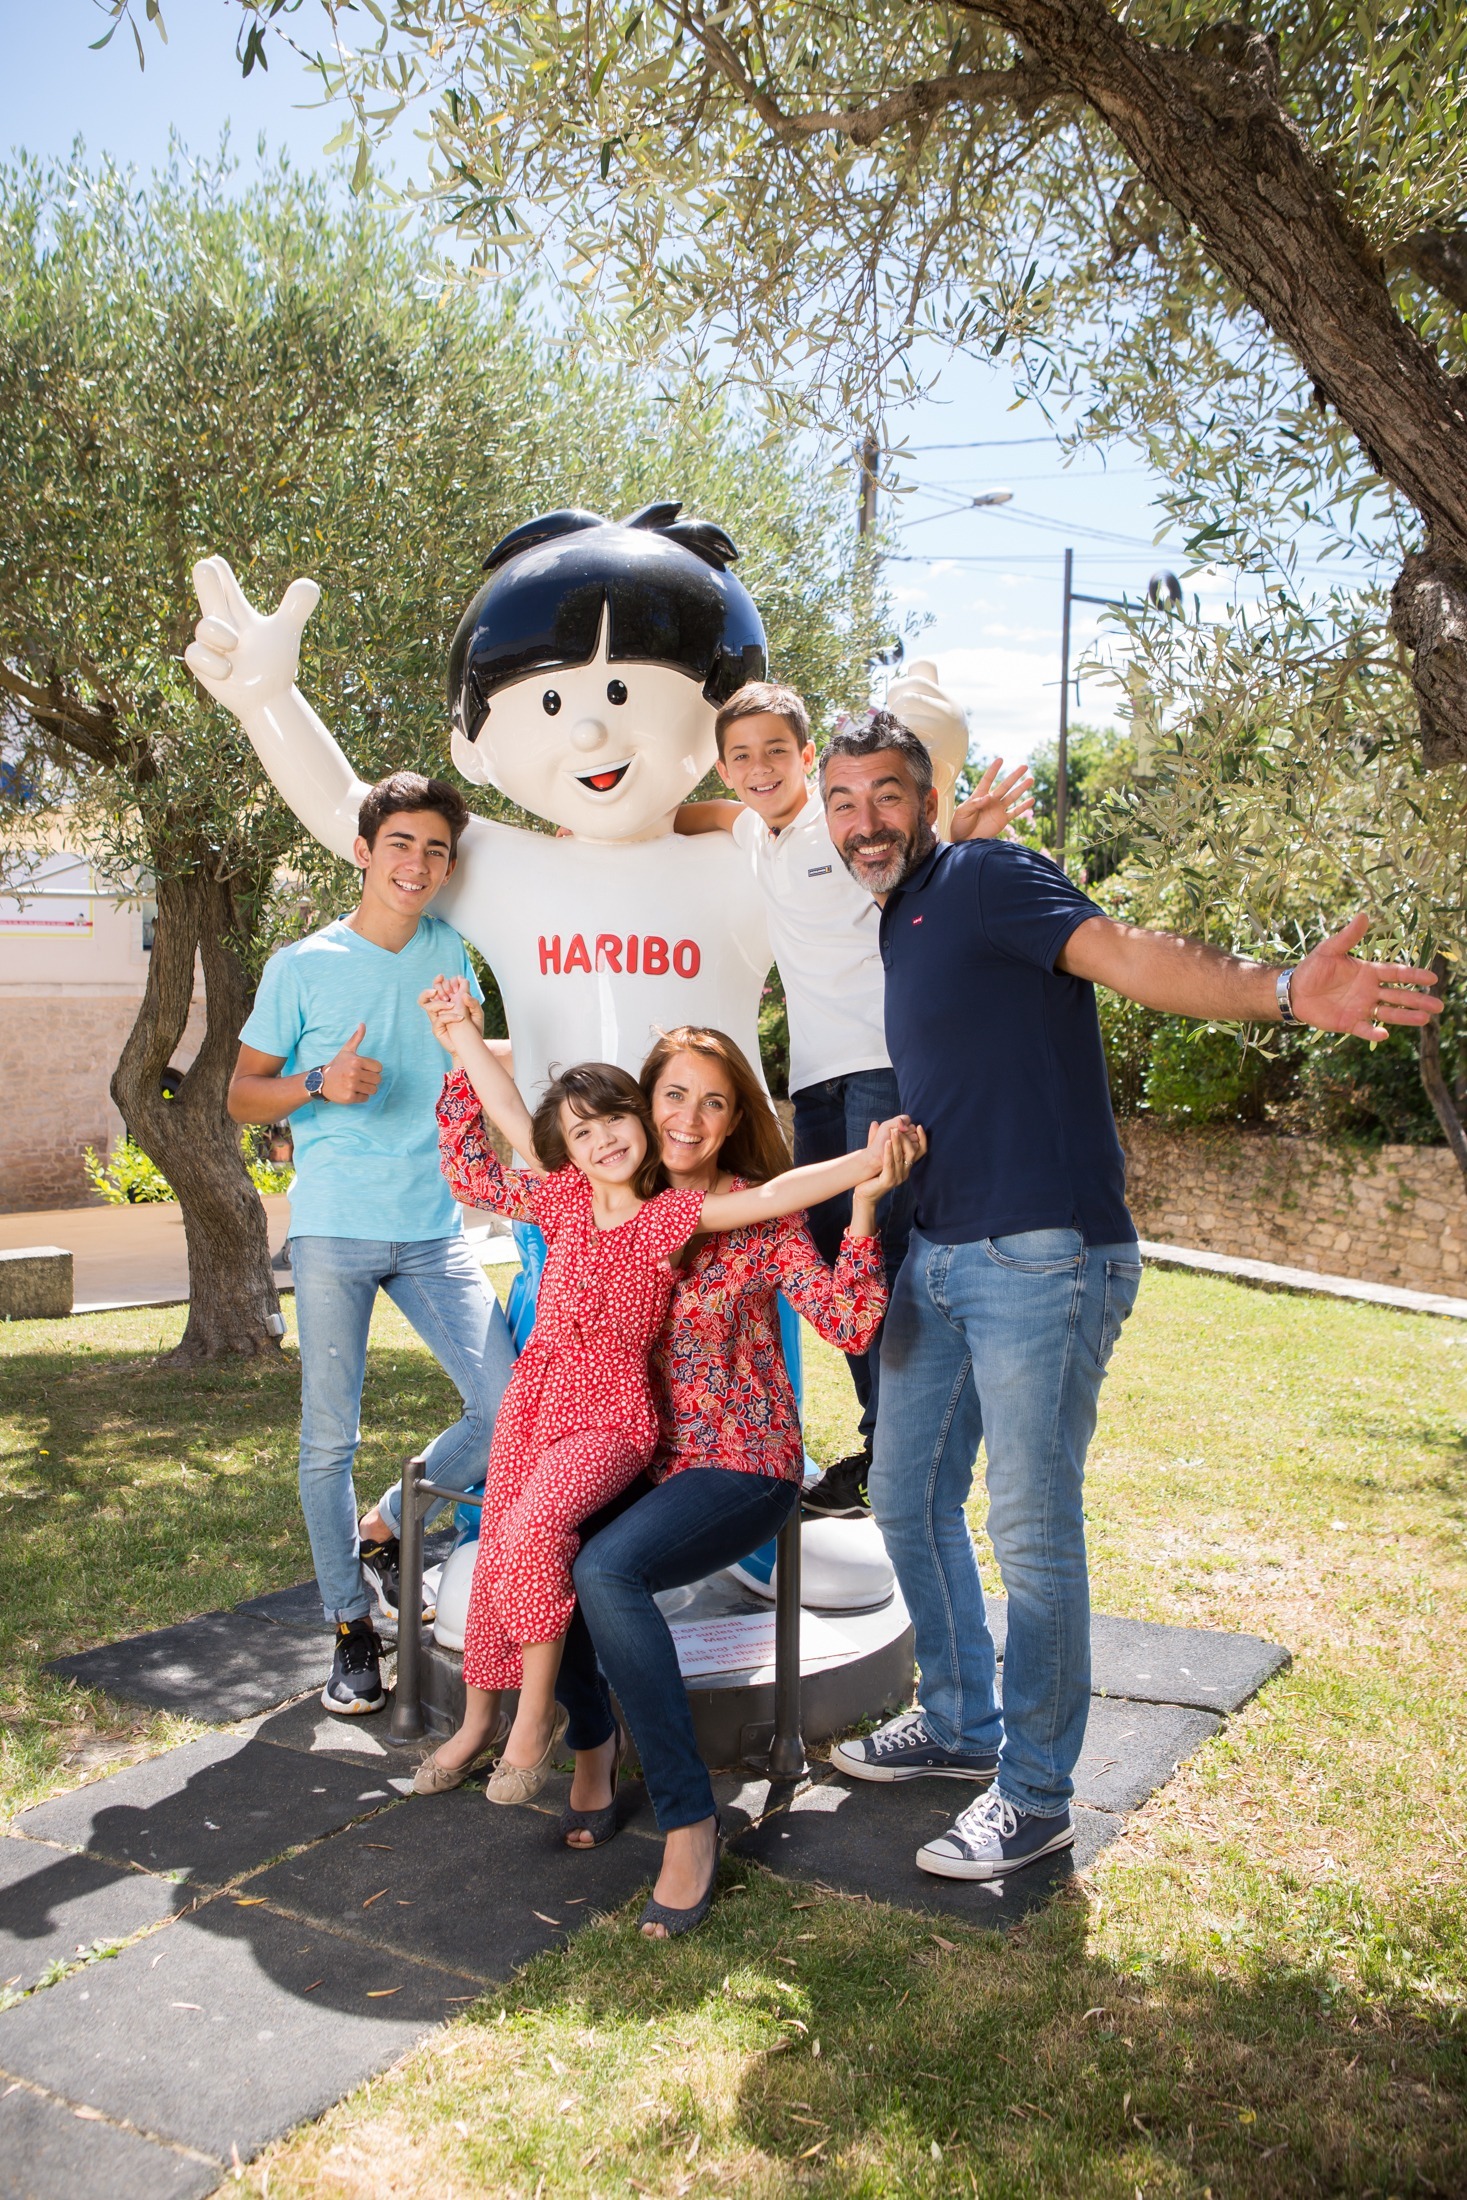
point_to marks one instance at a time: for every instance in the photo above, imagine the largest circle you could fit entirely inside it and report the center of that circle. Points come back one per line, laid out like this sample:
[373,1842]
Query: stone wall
[57,1056]
[1395,1215]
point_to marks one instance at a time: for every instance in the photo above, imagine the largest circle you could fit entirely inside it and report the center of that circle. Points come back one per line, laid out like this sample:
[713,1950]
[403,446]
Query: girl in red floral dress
[577,1423]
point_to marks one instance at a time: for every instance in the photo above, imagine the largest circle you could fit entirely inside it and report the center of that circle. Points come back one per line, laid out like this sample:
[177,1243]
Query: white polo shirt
[823,928]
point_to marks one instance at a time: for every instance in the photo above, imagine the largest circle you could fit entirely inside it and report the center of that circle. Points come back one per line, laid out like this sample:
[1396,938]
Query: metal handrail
[407,1724]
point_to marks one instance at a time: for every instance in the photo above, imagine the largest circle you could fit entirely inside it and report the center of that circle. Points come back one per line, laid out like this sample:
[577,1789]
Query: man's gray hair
[873,731]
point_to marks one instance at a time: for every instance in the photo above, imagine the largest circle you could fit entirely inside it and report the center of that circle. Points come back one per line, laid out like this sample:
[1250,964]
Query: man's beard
[902,852]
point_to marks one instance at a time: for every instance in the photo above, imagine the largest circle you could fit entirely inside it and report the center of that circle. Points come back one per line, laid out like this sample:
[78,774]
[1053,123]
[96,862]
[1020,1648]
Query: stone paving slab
[864,1840]
[1132,1749]
[307,1726]
[212,1809]
[215,1669]
[49,2152]
[1155,1663]
[54,1906]
[453,1880]
[227,2027]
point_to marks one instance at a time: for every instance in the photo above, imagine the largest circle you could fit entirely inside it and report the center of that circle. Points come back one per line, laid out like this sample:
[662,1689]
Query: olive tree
[189,368]
[813,188]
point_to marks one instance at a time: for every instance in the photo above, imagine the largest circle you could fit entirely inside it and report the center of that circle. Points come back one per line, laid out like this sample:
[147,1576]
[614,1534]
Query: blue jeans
[1006,1341]
[440,1287]
[662,1538]
[830,1119]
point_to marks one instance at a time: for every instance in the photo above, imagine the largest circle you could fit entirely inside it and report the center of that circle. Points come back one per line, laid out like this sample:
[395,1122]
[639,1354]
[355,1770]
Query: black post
[406,1723]
[787,1748]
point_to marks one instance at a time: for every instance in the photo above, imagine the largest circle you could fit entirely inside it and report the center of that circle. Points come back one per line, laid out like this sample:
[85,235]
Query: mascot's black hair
[662,584]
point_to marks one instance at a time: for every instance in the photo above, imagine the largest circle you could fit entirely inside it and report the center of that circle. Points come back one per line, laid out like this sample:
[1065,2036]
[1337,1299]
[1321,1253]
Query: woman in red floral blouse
[729,1462]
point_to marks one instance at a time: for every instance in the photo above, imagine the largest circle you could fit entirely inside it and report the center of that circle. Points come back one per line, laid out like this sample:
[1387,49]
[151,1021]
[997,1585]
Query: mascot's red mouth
[603,782]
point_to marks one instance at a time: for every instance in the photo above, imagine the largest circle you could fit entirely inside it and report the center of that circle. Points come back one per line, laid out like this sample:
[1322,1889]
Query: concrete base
[733,1713]
[35,1283]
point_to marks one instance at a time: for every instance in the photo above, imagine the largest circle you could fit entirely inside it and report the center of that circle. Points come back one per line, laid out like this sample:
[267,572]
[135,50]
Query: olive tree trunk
[233,1303]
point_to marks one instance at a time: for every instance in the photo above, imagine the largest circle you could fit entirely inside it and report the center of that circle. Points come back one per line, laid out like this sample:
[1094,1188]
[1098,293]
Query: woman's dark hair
[661,583]
[753,1146]
[591,1090]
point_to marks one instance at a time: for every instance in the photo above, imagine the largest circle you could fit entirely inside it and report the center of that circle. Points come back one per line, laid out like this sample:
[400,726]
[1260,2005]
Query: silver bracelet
[1282,985]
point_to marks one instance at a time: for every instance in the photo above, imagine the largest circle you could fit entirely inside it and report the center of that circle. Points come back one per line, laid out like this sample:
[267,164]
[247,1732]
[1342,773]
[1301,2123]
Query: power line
[992,443]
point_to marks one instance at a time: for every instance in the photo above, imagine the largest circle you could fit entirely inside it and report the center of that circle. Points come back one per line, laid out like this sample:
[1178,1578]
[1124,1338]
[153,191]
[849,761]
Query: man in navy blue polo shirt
[1022,1266]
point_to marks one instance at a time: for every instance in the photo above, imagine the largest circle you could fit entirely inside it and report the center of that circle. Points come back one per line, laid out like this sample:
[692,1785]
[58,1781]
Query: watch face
[315,1079]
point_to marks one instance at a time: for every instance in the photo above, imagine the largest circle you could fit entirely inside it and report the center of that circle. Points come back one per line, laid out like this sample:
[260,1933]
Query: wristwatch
[1282,984]
[316,1084]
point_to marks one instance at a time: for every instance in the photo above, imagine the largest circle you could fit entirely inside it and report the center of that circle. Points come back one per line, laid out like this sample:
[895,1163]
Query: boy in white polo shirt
[823,928]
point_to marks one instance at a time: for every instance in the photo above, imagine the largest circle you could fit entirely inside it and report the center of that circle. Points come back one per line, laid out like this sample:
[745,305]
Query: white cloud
[1012,697]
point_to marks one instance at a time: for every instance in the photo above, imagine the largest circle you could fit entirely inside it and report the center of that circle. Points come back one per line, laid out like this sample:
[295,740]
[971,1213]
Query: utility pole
[1165,591]
[1062,783]
[870,466]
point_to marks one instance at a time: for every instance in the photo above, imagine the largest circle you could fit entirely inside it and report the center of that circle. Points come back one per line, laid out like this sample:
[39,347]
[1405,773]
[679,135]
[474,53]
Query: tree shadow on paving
[916,2059]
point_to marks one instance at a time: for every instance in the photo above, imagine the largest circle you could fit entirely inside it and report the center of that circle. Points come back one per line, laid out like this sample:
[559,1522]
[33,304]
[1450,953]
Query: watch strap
[1283,985]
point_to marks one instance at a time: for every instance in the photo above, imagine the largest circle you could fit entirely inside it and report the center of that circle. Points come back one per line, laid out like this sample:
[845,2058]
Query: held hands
[450,1008]
[242,657]
[903,1144]
[1334,991]
[351,1076]
[994,803]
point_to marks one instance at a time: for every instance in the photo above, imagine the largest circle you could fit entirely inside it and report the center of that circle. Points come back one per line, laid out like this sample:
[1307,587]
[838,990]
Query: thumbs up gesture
[245,658]
[351,1076]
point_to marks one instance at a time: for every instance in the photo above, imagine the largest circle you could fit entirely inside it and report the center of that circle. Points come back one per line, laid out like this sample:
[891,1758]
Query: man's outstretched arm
[1332,988]
[247,661]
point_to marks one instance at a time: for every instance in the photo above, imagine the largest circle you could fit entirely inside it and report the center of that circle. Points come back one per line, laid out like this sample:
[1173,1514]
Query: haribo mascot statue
[584,680]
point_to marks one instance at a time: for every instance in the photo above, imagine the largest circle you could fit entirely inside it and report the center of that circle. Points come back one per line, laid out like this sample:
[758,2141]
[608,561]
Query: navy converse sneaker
[907,1749]
[993,1838]
[355,1685]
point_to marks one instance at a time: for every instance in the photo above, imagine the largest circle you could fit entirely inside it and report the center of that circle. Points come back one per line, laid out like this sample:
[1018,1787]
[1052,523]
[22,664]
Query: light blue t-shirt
[368,1169]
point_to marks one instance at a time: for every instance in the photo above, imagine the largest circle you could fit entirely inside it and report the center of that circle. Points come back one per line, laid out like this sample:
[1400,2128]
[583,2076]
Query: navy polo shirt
[998,1054]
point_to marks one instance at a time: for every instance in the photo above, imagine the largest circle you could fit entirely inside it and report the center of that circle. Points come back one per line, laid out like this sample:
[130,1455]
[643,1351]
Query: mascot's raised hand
[246,659]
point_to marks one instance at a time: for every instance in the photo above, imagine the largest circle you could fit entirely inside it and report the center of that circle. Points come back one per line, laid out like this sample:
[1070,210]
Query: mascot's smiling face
[586,675]
[607,749]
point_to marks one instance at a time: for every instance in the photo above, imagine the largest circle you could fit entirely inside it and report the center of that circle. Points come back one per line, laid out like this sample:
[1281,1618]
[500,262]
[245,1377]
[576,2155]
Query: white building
[73,964]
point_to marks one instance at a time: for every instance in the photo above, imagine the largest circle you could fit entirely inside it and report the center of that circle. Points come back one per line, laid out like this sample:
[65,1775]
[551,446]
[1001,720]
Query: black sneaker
[992,1838]
[382,1572]
[355,1686]
[840,1494]
[907,1749]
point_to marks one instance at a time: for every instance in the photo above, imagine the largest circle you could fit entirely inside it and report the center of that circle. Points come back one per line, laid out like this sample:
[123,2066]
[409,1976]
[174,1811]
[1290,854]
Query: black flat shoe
[676,1922]
[600,1824]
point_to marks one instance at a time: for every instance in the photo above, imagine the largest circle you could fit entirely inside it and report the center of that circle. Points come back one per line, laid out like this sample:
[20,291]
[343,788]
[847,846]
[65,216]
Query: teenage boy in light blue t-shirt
[337,1042]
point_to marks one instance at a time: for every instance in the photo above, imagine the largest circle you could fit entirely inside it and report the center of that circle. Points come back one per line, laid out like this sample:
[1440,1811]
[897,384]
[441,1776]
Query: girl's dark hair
[590,1090]
[662,584]
[754,1146]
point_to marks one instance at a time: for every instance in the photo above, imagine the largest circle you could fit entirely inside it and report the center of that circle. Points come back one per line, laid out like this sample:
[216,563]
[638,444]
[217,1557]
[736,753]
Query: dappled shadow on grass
[133,1496]
[953,2062]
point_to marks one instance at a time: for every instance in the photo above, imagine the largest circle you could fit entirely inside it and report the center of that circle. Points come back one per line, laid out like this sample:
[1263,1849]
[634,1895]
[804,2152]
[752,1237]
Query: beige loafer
[522,1783]
[432,1778]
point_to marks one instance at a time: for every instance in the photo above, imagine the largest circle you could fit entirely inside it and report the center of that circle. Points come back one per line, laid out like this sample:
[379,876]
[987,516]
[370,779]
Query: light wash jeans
[440,1287]
[1006,1341]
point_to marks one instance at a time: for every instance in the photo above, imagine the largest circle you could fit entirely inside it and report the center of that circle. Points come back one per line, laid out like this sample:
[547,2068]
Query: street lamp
[1162,588]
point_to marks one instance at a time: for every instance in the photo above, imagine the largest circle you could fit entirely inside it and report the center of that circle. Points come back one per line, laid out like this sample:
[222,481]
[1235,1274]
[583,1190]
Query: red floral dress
[576,1423]
[723,1393]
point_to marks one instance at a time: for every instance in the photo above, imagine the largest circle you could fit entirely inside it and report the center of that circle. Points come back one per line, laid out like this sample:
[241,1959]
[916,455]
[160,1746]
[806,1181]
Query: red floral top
[718,1375]
[719,1382]
[603,1293]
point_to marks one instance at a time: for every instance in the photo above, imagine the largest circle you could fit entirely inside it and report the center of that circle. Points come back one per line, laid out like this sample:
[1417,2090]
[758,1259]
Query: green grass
[1259,1991]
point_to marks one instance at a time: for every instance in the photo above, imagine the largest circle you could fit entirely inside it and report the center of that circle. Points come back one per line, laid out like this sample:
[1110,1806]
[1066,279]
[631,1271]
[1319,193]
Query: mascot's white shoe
[843,1567]
[453,1596]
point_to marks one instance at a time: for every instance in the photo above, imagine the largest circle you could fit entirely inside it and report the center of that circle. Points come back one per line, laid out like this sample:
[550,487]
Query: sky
[989,580]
